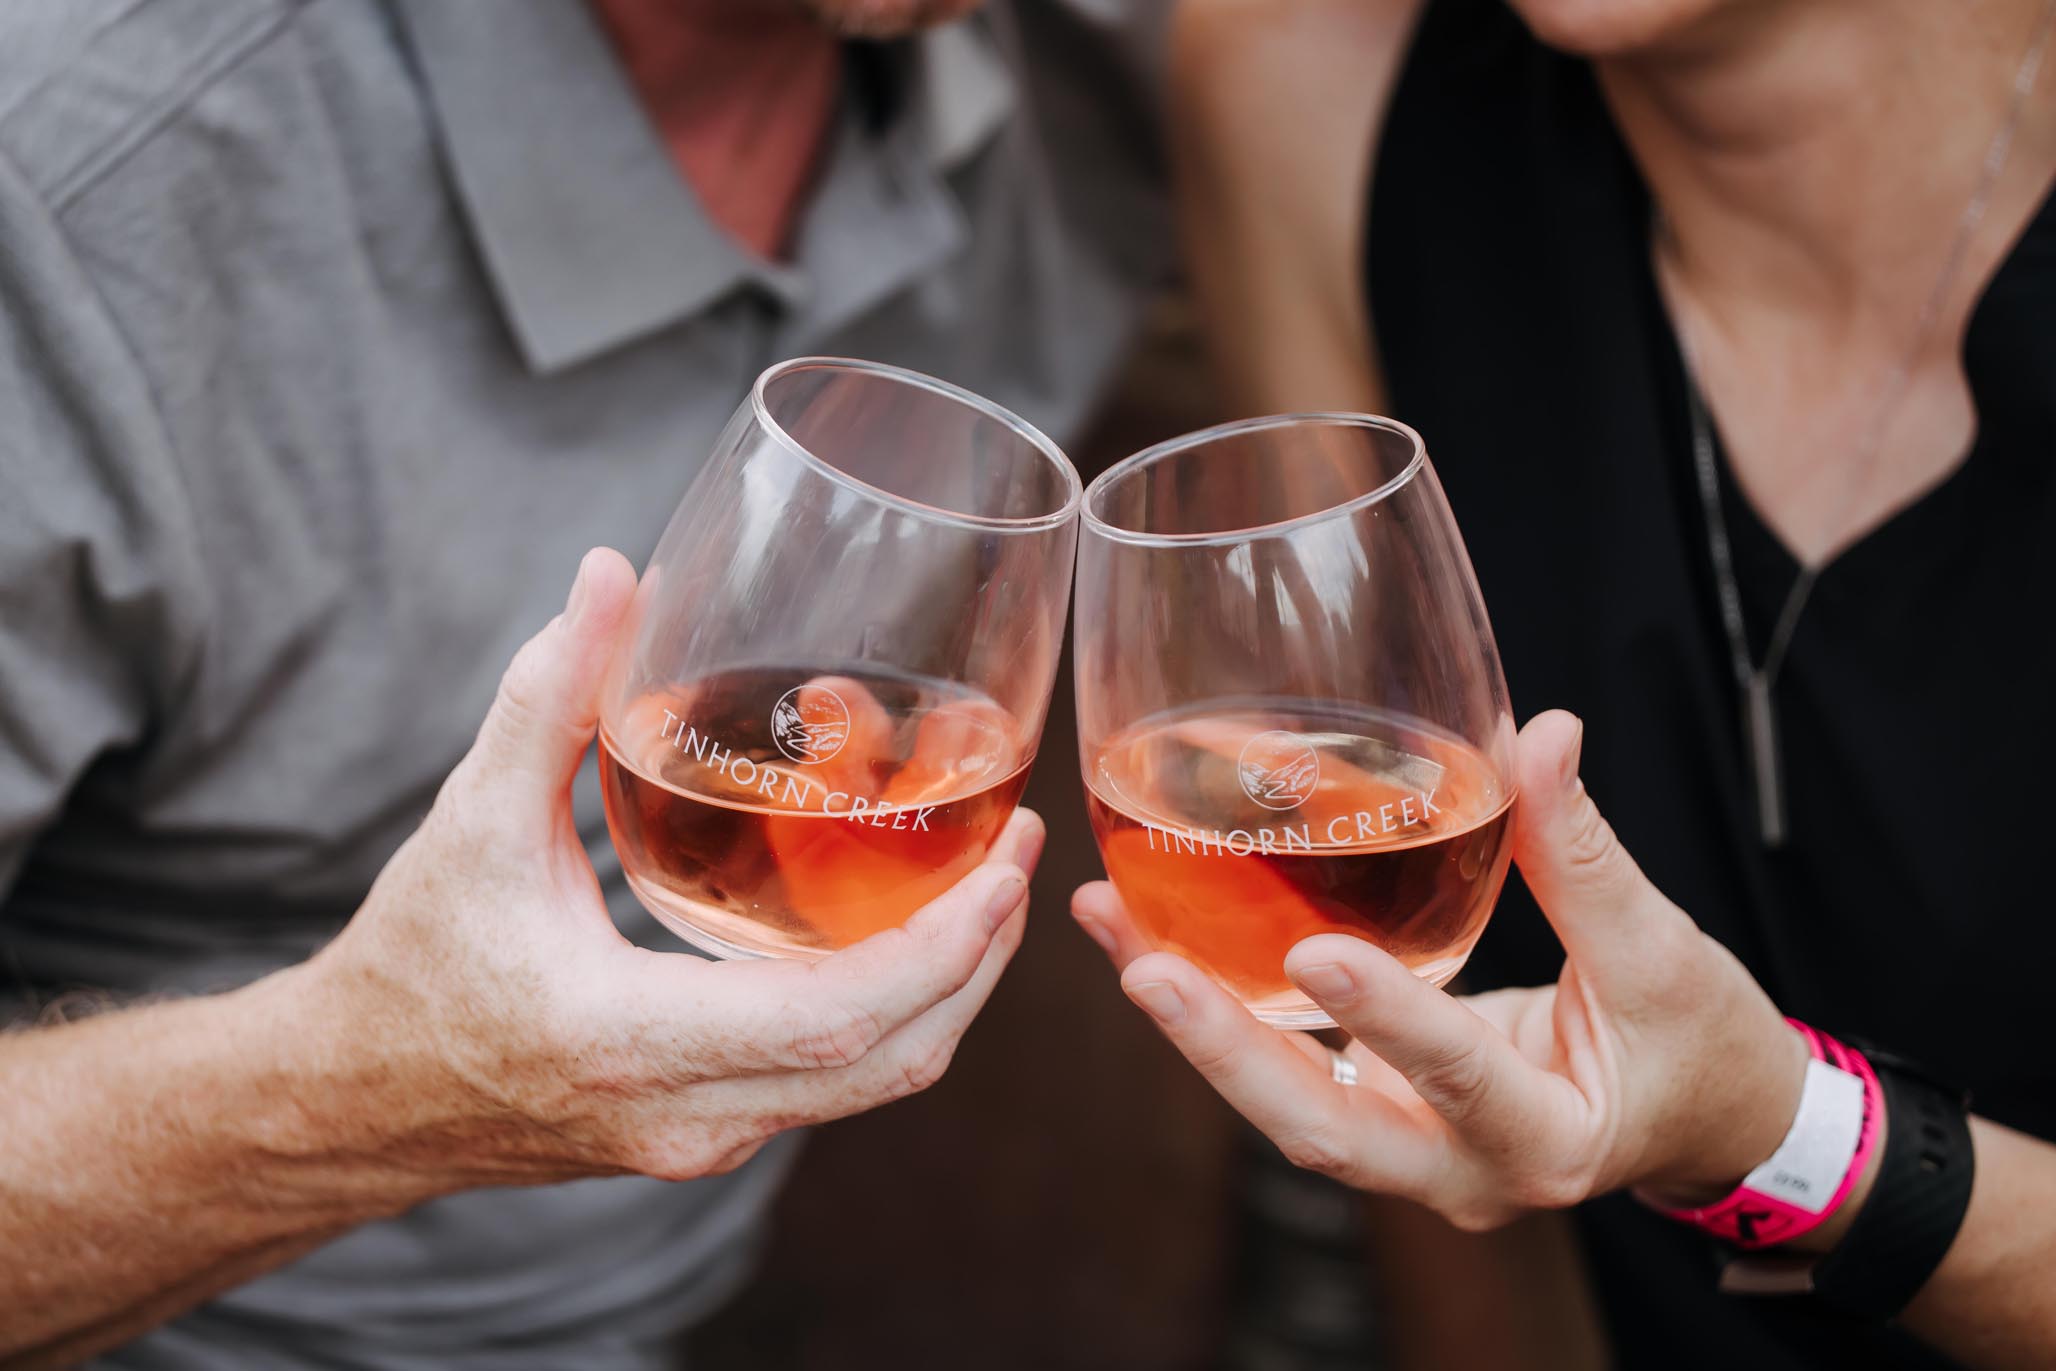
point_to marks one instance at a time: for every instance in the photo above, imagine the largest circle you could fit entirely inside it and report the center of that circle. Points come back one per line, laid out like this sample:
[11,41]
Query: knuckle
[521,683]
[835,1037]
[524,707]
[1476,1216]
[1317,1149]
[670,1157]
[1455,1081]
[1591,849]
[920,1069]
[1213,1056]
[686,1153]
[930,927]
[735,1158]
[946,943]
[943,946]
[1552,1191]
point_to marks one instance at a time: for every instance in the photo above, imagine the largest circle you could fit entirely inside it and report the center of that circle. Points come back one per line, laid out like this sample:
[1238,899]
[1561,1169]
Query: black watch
[1915,1207]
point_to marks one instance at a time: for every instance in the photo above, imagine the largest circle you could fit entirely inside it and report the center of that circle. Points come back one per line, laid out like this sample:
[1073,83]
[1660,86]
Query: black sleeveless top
[1516,311]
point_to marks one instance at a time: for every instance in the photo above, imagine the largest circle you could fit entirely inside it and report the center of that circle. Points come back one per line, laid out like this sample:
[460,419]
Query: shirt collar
[590,237]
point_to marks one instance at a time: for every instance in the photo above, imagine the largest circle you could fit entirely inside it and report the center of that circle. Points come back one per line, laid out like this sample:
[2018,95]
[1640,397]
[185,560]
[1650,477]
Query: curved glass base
[738,938]
[1293,1010]
[1309,1018]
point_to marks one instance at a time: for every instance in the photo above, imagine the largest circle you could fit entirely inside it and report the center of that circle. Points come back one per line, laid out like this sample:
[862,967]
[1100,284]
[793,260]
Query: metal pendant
[1760,726]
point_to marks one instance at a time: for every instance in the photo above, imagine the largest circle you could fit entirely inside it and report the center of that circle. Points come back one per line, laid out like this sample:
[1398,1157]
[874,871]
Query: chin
[1616,28]
[886,18]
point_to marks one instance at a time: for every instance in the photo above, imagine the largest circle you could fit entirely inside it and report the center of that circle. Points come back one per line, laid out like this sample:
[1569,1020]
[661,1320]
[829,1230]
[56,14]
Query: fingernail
[1161,999]
[1329,982]
[575,605]
[1573,753]
[1096,931]
[999,905]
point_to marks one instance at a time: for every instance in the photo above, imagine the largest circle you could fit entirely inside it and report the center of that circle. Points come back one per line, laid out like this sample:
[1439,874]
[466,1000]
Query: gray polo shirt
[331,333]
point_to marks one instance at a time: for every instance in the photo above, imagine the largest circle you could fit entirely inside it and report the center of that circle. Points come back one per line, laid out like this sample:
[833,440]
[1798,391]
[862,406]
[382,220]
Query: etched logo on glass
[810,724]
[1278,770]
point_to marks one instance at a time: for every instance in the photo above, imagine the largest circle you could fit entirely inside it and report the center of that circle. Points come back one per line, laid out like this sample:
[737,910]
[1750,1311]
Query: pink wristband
[1807,1178]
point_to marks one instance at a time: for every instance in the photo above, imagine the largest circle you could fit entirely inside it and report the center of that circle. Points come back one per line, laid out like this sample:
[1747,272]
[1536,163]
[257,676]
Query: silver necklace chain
[1759,716]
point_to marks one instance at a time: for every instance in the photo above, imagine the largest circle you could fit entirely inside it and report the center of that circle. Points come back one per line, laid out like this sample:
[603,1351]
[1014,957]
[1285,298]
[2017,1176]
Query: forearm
[1992,1302]
[153,1157]
[1274,111]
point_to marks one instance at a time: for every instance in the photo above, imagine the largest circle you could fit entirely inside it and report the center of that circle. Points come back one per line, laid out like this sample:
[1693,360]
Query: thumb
[536,733]
[1596,898]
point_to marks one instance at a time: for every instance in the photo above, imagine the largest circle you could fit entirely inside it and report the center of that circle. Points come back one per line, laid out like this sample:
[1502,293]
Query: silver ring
[1341,1068]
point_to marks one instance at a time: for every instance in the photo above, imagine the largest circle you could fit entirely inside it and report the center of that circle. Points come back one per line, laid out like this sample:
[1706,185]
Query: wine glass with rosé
[838,661]
[1292,718]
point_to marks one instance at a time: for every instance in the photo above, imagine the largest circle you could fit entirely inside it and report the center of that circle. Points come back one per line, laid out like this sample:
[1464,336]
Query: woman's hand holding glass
[1655,1061]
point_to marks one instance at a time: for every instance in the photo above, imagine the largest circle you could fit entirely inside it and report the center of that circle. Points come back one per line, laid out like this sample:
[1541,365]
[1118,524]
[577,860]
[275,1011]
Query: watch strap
[1917,1203]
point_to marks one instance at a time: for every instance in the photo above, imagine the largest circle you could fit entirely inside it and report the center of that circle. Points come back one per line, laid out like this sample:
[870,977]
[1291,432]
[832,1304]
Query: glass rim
[1171,447]
[1035,438]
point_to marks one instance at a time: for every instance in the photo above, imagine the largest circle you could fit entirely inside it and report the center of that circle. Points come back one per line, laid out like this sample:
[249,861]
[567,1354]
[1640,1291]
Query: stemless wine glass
[1291,714]
[839,659]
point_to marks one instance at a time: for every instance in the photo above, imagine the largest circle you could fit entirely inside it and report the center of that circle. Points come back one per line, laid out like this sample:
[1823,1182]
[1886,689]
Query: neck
[1816,156]
[744,93]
